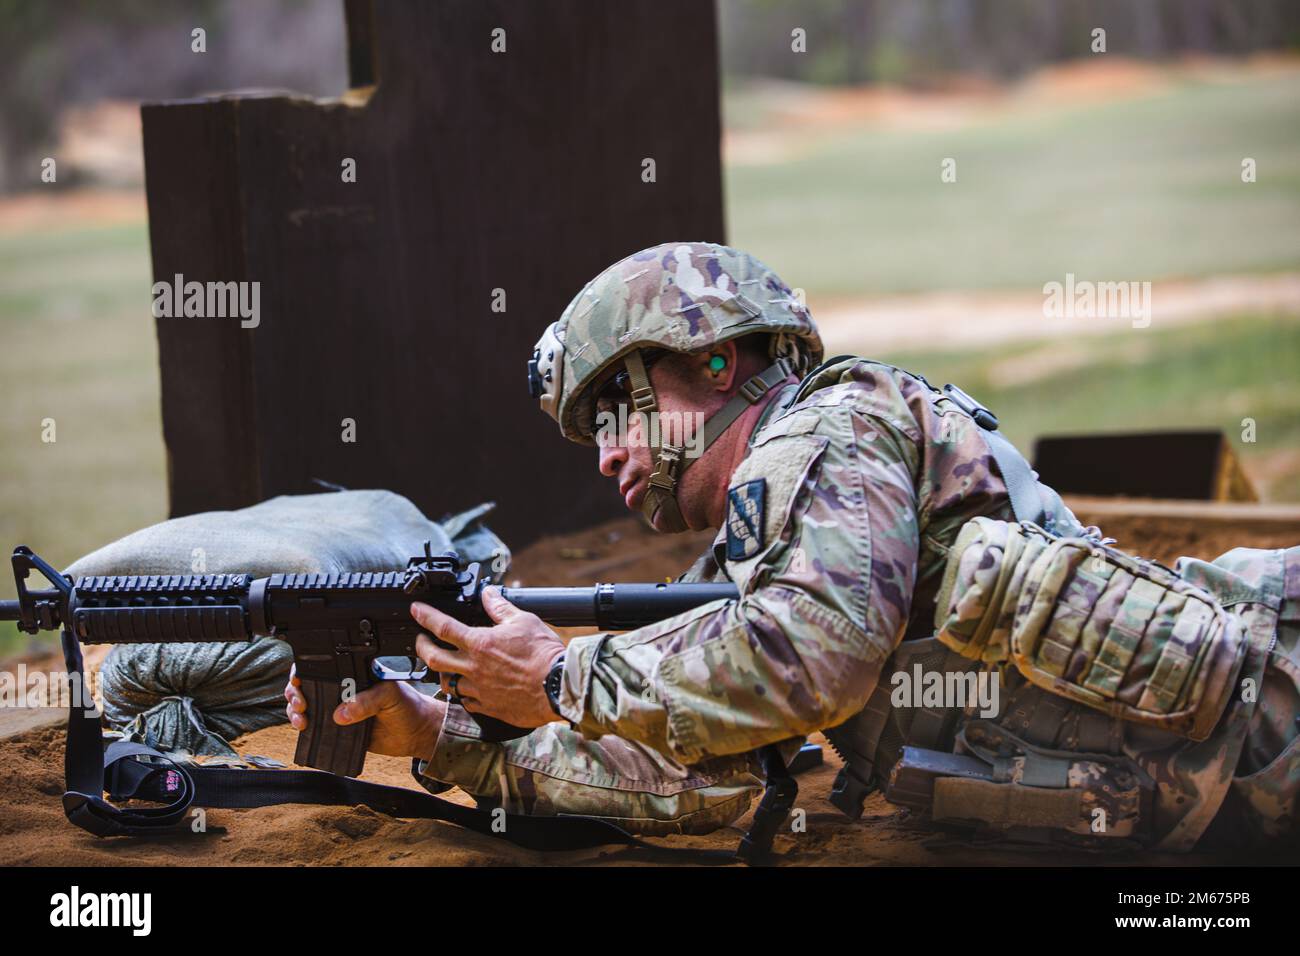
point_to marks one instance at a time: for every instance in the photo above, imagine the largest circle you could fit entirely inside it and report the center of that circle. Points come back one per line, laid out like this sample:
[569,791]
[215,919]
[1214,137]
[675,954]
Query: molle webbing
[1091,624]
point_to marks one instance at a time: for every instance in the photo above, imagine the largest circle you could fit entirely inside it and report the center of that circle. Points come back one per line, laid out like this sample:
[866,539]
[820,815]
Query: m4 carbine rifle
[340,626]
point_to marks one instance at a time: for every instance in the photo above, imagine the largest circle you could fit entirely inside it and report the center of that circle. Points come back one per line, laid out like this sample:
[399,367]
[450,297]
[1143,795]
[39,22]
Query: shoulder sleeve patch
[746,515]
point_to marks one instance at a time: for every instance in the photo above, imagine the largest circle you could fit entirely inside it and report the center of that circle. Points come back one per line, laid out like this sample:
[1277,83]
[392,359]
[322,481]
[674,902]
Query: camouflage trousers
[557,771]
[1262,802]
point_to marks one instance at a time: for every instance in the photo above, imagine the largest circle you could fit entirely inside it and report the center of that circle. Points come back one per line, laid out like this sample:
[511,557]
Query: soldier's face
[629,464]
[686,394]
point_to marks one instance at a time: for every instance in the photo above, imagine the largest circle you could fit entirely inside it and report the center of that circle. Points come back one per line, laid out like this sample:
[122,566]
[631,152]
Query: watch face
[554,677]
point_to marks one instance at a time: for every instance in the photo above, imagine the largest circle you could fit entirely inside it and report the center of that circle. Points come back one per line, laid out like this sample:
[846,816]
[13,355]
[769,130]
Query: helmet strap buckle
[667,467]
[643,400]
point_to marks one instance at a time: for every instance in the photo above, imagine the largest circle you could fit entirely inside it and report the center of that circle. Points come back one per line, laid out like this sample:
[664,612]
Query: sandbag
[196,698]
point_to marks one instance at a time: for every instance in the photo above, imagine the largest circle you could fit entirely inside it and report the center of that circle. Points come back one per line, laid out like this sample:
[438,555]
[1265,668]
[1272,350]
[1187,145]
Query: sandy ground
[34,832]
[977,319]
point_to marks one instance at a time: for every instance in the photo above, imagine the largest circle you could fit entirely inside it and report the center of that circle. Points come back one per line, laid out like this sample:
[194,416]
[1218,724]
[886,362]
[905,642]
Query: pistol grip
[326,745]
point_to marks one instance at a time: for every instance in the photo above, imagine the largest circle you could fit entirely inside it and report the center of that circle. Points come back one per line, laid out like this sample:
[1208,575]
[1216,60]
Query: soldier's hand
[502,668]
[406,722]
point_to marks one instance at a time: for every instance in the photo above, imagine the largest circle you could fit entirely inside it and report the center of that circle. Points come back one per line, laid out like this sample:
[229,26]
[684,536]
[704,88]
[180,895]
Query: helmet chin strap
[669,463]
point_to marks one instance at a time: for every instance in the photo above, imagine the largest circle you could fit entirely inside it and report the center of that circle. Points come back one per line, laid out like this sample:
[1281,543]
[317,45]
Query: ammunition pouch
[1091,624]
[1003,787]
[871,742]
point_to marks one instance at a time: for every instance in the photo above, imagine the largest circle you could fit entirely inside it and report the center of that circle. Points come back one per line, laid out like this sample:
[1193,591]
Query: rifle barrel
[616,607]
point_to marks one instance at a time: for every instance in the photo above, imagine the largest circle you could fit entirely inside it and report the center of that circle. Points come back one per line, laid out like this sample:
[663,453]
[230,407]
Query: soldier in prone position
[1136,705]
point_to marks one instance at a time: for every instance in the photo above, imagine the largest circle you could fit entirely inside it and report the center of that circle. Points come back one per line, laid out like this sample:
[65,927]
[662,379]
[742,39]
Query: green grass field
[79,348]
[1136,189]
[1211,375]
[1141,188]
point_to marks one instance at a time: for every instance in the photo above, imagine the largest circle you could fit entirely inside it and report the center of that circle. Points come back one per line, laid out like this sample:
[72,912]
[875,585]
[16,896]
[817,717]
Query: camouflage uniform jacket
[839,521]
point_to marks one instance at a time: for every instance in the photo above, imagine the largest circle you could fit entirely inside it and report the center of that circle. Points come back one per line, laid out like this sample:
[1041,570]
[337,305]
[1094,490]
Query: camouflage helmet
[679,297]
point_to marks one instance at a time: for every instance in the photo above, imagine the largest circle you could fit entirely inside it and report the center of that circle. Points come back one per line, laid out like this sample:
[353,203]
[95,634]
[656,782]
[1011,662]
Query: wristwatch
[554,678]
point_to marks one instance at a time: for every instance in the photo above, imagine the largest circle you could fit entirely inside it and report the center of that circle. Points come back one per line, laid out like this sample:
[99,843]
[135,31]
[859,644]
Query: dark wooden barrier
[1188,464]
[476,171]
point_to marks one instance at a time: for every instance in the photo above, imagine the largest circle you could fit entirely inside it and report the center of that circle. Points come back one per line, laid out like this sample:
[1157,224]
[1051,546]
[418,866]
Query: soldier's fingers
[448,628]
[439,658]
[497,607]
[365,705]
[296,720]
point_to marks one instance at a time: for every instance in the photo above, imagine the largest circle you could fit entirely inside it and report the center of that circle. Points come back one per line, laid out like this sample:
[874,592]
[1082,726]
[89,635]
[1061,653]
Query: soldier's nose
[612,458]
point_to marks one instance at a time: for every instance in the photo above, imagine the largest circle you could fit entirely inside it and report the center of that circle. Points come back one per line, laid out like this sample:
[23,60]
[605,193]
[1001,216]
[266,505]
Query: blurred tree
[911,41]
[75,52]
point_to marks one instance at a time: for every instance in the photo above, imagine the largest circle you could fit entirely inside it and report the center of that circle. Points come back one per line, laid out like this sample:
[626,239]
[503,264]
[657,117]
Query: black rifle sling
[90,770]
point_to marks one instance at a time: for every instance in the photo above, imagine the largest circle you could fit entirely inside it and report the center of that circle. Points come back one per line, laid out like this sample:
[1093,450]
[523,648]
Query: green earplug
[716,364]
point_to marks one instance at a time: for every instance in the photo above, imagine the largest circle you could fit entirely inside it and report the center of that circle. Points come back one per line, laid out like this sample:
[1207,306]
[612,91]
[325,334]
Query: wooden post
[482,176]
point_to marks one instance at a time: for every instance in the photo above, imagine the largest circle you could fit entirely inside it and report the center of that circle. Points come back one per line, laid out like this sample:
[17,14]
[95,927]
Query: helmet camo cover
[680,296]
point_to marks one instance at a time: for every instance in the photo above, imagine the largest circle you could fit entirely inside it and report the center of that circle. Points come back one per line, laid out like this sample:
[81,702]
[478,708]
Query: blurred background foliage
[75,53]
[1117,166]
[921,41]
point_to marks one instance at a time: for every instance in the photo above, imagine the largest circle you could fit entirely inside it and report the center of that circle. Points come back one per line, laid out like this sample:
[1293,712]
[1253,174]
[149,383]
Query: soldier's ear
[718,365]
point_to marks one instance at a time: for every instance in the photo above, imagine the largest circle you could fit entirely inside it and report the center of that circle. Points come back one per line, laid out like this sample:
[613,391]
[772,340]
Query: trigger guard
[381,671]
